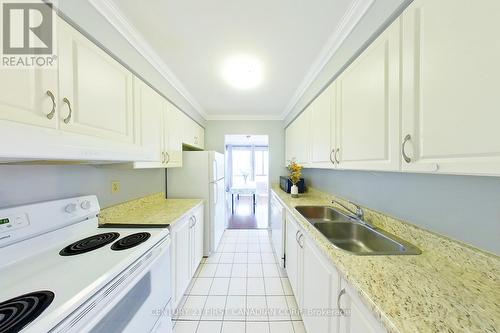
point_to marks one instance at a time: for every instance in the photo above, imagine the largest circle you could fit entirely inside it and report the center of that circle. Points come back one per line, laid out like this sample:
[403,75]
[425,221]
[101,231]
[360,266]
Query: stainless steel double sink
[353,235]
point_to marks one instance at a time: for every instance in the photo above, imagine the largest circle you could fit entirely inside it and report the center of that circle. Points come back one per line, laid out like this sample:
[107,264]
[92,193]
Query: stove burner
[130,241]
[89,244]
[18,312]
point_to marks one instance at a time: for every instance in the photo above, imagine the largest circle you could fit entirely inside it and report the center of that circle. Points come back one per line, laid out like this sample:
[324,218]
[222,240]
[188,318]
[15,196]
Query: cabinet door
[197,232]
[450,87]
[357,317]
[302,137]
[149,106]
[297,138]
[183,255]
[96,92]
[197,138]
[368,114]
[25,96]
[323,129]
[320,280]
[293,255]
[288,143]
[174,132]
[201,137]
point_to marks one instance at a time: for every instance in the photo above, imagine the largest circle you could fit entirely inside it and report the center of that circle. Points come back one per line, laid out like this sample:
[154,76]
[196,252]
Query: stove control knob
[85,205]
[70,208]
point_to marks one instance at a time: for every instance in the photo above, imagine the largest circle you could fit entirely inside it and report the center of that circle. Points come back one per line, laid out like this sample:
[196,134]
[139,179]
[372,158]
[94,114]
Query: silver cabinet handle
[68,118]
[342,292]
[336,155]
[195,220]
[301,243]
[51,114]
[162,157]
[331,158]
[168,158]
[403,146]
[192,222]
[297,236]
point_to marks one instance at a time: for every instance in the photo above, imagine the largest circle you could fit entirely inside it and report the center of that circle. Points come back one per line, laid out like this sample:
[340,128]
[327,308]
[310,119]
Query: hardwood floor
[244,217]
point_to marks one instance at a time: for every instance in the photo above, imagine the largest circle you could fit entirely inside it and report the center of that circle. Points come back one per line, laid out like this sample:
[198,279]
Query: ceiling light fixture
[242,71]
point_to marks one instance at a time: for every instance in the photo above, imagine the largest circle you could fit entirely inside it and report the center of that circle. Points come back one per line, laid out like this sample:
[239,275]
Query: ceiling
[189,40]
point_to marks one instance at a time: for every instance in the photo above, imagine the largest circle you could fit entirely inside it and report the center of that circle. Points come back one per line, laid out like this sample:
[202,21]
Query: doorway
[247,181]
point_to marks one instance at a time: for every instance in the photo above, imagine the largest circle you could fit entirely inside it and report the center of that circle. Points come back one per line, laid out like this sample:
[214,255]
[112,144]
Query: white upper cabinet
[29,96]
[174,132]
[150,122]
[298,139]
[322,129]
[192,132]
[96,92]
[368,112]
[451,108]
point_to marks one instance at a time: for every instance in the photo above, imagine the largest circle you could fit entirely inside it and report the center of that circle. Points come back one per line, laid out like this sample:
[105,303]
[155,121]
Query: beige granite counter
[450,287]
[152,209]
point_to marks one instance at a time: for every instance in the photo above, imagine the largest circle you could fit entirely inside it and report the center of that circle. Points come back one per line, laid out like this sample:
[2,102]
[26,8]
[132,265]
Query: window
[242,165]
[261,164]
[249,164]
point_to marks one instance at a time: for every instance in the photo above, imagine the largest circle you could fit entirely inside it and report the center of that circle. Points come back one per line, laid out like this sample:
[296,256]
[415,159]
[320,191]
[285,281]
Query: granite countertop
[450,287]
[150,210]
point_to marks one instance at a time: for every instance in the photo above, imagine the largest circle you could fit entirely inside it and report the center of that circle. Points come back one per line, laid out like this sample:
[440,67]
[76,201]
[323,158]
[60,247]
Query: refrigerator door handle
[216,196]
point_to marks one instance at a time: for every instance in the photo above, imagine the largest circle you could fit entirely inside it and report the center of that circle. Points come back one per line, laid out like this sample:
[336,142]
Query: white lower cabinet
[328,303]
[196,239]
[187,252]
[293,255]
[357,317]
[320,284]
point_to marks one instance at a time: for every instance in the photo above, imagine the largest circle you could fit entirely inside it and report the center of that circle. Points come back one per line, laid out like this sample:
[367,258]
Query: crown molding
[350,19]
[116,18]
[243,117]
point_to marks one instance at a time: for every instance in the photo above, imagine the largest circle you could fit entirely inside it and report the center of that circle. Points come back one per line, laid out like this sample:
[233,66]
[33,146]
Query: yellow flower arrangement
[295,172]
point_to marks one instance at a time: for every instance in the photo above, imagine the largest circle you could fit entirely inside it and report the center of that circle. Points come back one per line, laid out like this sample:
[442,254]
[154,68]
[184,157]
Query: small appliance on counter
[286,184]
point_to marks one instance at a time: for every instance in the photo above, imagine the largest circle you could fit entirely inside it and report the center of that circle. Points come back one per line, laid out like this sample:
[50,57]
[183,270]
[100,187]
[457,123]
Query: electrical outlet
[115,186]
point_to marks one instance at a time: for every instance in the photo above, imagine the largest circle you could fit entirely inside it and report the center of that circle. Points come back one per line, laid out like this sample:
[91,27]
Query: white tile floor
[240,289]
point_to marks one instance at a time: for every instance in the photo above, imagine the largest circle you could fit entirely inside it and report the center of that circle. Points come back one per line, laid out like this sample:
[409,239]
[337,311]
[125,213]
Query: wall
[88,19]
[20,184]
[464,208]
[217,129]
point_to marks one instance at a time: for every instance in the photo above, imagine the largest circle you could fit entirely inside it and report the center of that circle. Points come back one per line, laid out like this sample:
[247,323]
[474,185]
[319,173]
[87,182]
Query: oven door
[135,301]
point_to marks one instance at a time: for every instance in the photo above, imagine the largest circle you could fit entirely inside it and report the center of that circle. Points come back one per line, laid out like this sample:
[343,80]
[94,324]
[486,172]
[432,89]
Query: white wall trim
[243,117]
[350,19]
[116,18]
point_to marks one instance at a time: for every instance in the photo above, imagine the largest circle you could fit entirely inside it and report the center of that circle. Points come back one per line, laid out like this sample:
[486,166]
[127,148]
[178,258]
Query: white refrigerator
[202,176]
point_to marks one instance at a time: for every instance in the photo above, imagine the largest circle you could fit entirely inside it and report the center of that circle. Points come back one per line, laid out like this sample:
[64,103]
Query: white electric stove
[59,272]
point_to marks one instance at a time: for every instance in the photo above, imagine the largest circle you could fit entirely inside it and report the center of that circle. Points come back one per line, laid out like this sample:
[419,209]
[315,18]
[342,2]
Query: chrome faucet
[359,214]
